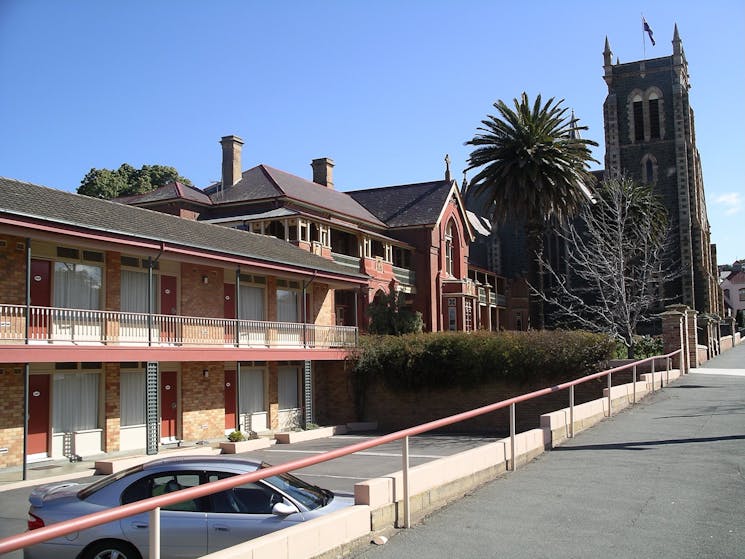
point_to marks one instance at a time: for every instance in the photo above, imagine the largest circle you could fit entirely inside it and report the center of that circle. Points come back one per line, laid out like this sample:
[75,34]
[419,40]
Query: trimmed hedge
[445,360]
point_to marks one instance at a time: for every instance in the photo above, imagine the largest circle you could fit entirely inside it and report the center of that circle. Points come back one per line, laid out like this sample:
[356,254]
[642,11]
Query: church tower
[650,136]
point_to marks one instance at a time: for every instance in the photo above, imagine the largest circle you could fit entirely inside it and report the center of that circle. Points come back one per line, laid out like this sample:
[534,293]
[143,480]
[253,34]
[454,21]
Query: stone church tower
[650,136]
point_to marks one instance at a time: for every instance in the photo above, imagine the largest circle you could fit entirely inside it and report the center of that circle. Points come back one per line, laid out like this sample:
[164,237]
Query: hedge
[445,360]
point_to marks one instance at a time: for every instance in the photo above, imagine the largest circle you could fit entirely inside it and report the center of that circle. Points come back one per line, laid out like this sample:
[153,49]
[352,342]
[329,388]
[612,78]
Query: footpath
[665,478]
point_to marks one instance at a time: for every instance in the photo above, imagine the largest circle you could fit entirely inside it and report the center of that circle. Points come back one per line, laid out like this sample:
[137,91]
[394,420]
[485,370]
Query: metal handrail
[153,504]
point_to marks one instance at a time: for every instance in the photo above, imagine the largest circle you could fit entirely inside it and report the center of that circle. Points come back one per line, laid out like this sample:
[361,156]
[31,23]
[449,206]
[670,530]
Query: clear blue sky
[386,88]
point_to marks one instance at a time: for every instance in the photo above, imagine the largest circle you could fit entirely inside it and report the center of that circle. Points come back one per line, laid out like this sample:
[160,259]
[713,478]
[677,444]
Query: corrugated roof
[406,205]
[40,202]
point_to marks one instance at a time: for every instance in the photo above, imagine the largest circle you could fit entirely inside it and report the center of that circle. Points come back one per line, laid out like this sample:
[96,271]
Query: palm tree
[534,167]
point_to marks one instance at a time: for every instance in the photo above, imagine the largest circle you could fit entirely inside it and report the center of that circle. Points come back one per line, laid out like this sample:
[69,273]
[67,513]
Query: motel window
[77,286]
[132,398]
[252,390]
[287,305]
[288,380]
[75,402]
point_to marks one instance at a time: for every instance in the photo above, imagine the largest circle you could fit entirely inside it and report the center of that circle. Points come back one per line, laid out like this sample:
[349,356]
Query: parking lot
[339,475]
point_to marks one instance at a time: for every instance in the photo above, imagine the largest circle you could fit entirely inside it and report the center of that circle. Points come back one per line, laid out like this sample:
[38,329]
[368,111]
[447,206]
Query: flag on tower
[648,29]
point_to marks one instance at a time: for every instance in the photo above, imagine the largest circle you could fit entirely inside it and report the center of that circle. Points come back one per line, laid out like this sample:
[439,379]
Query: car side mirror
[283,509]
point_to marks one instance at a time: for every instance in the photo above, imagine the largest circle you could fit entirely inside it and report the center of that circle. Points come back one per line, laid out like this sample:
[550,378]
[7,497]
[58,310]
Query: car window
[162,483]
[100,484]
[250,498]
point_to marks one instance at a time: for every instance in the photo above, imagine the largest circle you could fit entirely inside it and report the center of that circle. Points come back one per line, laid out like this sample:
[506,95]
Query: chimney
[231,160]
[323,172]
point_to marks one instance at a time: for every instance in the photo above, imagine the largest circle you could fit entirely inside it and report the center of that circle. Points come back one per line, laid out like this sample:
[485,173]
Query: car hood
[44,494]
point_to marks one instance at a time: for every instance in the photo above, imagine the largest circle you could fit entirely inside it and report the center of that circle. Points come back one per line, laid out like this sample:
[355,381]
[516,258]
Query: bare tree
[609,280]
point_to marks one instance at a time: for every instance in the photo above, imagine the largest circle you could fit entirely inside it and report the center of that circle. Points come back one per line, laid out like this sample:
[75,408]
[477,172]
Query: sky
[386,88]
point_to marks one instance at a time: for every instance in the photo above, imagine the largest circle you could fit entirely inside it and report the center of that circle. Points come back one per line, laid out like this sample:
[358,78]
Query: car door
[183,526]
[243,513]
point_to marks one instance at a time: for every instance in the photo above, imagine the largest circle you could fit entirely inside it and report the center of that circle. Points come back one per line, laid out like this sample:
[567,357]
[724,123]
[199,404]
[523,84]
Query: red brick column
[673,339]
[11,413]
[112,406]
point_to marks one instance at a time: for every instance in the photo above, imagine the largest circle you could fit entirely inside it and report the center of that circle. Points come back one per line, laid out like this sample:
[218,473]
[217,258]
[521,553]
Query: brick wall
[11,414]
[323,305]
[272,394]
[202,401]
[199,298]
[113,283]
[394,410]
[13,265]
[334,393]
[112,407]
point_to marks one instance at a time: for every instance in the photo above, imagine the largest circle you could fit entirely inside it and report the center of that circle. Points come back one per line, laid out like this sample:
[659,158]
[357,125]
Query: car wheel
[110,549]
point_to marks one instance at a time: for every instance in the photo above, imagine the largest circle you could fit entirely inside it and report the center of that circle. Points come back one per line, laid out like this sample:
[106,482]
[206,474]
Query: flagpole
[644,43]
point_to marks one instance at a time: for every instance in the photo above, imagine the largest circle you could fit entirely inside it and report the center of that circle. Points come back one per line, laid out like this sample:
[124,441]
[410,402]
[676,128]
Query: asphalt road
[663,479]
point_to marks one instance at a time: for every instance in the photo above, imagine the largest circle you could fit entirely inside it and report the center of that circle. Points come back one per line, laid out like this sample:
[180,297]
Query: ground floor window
[132,398]
[75,402]
[252,390]
[288,381]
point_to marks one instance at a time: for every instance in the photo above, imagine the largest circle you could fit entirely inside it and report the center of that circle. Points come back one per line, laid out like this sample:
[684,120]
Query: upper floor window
[449,248]
[646,116]
[742,294]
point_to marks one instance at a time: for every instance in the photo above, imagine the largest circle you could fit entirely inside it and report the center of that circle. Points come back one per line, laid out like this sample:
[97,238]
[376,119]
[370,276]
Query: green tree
[533,167]
[127,181]
[388,315]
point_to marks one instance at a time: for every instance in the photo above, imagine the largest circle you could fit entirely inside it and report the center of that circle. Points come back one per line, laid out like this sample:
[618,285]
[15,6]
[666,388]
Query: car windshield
[308,495]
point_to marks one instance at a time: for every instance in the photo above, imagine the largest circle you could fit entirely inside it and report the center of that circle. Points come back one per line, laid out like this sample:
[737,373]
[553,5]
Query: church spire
[677,43]
[607,53]
[447,167]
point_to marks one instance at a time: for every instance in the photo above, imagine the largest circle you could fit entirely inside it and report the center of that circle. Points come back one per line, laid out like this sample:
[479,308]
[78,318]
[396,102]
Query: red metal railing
[153,504]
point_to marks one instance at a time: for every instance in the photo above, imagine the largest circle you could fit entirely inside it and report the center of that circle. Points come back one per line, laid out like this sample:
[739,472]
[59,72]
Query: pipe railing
[153,504]
[51,324]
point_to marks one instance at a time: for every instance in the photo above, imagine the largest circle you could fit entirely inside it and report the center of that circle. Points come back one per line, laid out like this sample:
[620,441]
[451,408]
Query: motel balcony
[57,334]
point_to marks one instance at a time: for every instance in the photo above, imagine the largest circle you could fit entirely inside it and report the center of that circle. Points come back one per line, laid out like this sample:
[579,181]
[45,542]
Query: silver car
[191,528]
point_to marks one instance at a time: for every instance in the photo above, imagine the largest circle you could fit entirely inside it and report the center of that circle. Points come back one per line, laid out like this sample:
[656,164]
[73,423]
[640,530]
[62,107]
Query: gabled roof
[263,182]
[28,200]
[170,191]
[406,205]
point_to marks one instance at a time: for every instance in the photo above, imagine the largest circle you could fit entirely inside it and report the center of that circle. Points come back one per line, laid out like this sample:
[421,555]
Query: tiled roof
[262,182]
[43,203]
[406,205]
[170,191]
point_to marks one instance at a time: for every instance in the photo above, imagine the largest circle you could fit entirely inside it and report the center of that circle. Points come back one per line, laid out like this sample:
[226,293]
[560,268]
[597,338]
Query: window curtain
[287,305]
[75,402]
[132,398]
[134,291]
[252,390]
[77,286]
[288,388]
[252,303]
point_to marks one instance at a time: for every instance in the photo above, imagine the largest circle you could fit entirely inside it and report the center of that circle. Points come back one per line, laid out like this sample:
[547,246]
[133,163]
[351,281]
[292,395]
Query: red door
[38,414]
[168,404]
[168,307]
[230,399]
[229,311]
[41,296]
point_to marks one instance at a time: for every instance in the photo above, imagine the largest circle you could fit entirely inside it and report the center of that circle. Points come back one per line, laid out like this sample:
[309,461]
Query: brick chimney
[231,160]
[323,172]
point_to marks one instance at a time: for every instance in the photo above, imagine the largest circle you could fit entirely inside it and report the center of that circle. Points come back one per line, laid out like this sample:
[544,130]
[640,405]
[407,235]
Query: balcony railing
[346,260]
[49,324]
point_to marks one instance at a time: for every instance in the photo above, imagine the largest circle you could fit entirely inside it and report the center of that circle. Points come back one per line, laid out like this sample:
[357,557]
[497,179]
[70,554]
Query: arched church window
[654,116]
[649,169]
[638,108]
[449,248]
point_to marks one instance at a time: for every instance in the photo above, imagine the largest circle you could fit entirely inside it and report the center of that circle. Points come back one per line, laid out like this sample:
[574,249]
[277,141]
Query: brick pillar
[692,335]
[273,395]
[673,339]
[113,408]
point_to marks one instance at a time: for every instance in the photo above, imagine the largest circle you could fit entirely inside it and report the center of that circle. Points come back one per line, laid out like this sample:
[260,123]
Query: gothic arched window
[649,169]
